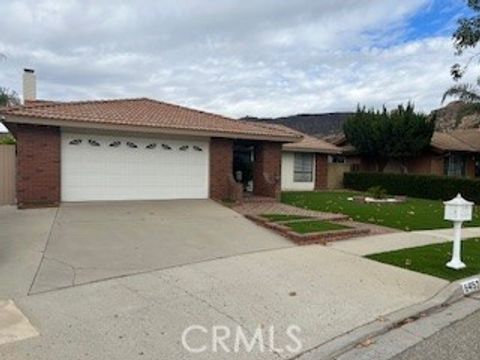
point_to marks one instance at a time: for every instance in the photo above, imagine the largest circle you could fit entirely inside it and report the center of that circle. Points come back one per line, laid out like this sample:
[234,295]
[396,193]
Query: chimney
[29,85]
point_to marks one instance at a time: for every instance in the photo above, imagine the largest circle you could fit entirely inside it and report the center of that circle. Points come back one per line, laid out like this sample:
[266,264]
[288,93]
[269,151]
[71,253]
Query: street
[460,341]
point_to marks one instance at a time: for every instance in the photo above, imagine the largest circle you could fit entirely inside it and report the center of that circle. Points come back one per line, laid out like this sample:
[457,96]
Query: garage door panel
[125,173]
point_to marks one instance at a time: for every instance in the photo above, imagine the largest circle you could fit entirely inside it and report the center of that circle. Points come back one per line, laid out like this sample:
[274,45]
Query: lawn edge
[371,257]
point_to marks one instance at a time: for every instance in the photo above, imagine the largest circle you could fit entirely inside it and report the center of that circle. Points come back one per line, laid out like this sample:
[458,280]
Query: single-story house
[455,153]
[135,149]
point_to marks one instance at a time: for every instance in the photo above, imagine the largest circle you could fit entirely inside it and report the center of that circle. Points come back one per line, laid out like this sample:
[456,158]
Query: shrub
[7,140]
[420,186]
[377,192]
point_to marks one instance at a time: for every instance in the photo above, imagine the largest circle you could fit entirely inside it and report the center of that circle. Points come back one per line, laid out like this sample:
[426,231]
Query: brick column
[321,171]
[267,169]
[222,184]
[38,165]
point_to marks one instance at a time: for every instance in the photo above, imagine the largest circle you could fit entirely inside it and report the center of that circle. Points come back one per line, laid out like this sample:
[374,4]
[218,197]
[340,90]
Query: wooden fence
[335,175]
[7,174]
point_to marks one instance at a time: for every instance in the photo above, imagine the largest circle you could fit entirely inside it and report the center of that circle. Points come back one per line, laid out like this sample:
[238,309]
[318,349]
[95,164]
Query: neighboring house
[135,149]
[452,154]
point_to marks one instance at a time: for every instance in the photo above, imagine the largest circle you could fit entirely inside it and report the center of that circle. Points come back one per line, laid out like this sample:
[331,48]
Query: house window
[454,165]
[303,167]
[337,159]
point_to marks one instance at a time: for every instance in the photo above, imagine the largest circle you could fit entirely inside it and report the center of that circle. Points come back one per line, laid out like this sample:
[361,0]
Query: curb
[332,349]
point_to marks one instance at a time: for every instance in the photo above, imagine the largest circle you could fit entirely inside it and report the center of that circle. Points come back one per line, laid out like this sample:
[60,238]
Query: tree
[466,36]
[8,97]
[384,135]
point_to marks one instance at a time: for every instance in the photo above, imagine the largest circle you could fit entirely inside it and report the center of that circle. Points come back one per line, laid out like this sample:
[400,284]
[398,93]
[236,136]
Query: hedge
[419,186]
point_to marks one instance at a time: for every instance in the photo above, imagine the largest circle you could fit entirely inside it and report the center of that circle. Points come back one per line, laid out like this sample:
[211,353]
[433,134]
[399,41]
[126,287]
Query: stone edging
[310,238]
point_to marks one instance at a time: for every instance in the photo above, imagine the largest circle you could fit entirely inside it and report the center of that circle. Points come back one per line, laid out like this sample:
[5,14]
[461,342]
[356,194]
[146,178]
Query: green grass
[415,214]
[283,217]
[305,227]
[431,259]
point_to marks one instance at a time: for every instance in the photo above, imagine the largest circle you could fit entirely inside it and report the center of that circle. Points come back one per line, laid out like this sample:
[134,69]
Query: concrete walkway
[400,240]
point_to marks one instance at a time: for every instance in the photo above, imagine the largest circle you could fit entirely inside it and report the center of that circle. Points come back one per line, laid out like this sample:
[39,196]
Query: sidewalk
[387,242]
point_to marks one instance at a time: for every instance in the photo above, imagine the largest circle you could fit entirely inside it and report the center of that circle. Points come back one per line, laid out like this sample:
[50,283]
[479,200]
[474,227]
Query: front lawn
[415,214]
[431,259]
[305,227]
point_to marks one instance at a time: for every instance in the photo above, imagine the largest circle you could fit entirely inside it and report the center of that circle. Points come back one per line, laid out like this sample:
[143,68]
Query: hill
[457,115]
[319,125]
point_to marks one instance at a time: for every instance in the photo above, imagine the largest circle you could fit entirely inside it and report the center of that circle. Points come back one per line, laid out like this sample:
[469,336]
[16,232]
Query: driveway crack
[50,232]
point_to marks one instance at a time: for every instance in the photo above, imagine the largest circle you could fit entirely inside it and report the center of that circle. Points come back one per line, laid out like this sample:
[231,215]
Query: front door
[243,166]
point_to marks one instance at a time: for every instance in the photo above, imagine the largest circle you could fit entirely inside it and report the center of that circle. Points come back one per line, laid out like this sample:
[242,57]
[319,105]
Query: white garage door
[109,167]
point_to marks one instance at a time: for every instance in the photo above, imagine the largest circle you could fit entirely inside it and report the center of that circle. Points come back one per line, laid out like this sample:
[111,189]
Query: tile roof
[470,137]
[143,112]
[449,142]
[458,140]
[308,143]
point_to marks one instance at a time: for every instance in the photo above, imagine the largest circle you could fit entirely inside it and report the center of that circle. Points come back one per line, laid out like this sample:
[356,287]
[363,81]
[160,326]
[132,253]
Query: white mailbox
[458,209]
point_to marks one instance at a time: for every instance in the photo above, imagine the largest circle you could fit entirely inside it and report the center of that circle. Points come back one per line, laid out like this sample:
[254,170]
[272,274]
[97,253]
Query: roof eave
[439,149]
[320,151]
[146,129]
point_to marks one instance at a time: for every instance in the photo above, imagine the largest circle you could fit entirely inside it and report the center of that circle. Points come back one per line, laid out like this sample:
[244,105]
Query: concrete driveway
[88,242]
[236,275]
[323,291]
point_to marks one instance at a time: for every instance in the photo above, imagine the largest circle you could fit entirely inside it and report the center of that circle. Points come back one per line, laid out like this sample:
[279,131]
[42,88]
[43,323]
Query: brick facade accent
[38,165]
[222,183]
[321,171]
[267,169]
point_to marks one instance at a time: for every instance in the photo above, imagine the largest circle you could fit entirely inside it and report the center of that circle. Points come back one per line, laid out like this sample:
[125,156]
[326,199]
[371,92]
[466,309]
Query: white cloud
[261,58]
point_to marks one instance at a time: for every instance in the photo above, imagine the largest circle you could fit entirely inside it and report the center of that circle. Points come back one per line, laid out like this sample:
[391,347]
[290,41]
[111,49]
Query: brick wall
[222,183]
[436,166]
[38,165]
[426,164]
[470,166]
[267,169]
[321,171]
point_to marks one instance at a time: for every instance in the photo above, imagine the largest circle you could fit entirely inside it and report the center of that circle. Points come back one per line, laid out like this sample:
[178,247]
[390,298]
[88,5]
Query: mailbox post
[457,210]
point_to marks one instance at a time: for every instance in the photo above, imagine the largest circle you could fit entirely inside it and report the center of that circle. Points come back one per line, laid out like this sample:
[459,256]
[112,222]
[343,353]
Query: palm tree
[466,92]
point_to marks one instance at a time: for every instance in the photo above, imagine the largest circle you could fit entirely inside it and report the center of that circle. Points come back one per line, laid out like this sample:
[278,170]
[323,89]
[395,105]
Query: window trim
[309,172]
[452,161]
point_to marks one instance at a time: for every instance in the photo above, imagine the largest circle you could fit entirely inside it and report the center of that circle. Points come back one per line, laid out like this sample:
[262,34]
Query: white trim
[287,178]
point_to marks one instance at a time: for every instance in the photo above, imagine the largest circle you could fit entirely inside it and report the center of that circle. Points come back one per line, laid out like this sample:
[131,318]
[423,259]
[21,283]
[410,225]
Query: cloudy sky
[235,57]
